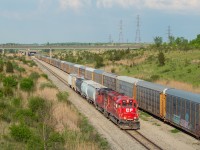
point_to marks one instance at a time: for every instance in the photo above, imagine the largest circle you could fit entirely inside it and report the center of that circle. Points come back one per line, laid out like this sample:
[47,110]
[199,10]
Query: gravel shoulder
[154,129]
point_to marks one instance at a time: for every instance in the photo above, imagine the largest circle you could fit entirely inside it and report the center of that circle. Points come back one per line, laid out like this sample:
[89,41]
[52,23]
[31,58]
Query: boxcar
[71,68]
[71,80]
[65,66]
[98,76]
[82,71]
[183,110]
[89,73]
[151,97]
[109,80]
[62,65]
[74,77]
[127,85]
[56,62]
[76,69]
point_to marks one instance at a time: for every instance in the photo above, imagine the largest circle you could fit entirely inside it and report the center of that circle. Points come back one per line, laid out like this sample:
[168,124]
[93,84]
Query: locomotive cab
[127,109]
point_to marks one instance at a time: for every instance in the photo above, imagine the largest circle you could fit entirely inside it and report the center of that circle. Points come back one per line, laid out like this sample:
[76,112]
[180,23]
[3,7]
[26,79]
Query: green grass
[144,116]
[174,131]
[179,66]
[156,124]
[47,85]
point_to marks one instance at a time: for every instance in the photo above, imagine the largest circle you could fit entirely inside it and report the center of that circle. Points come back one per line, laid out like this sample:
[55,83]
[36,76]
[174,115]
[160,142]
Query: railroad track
[147,143]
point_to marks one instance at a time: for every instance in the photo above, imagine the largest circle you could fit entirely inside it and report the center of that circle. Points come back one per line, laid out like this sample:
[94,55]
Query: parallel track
[147,143]
[144,141]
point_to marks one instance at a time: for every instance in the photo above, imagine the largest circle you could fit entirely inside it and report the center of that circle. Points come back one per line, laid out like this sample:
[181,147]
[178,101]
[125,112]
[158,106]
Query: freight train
[177,107]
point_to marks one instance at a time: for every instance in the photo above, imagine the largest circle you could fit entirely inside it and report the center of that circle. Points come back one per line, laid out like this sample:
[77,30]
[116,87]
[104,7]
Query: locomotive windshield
[127,103]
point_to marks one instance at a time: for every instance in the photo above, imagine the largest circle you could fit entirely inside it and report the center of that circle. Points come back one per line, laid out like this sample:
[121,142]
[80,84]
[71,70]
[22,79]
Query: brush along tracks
[146,143]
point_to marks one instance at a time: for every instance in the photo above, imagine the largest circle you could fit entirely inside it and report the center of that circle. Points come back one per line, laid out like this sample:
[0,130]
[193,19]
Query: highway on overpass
[97,47]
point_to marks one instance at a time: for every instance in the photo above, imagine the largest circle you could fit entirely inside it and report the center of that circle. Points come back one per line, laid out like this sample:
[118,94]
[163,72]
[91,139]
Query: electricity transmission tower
[137,36]
[121,32]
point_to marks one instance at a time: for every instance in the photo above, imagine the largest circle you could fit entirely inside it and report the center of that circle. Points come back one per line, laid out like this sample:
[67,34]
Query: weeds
[63,97]
[47,85]
[175,131]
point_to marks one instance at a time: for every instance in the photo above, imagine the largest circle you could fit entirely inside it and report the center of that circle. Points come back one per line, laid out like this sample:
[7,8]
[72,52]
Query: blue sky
[41,21]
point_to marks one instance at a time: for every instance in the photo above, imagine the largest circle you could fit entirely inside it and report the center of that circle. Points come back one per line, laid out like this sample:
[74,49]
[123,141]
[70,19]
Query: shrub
[49,85]
[63,96]
[9,67]
[25,115]
[189,70]
[1,66]
[21,69]
[32,63]
[16,102]
[35,143]
[10,81]
[45,76]
[34,75]
[113,70]
[154,77]
[36,103]
[55,141]
[20,132]
[1,93]
[8,91]
[161,59]
[2,76]
[27,84]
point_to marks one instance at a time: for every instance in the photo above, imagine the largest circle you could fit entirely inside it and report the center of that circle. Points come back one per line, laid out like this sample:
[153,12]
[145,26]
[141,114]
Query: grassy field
[42,117]
[181,69]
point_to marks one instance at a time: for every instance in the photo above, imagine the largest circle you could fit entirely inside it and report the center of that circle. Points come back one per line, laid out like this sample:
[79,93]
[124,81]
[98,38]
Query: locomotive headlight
[124,117]
[135,118]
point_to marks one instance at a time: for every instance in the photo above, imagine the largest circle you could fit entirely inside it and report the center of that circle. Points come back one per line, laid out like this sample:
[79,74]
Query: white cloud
[168,5]
[174,5]
[73,4]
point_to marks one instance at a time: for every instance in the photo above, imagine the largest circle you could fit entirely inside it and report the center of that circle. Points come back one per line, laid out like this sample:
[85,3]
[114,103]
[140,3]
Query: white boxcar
[70,79]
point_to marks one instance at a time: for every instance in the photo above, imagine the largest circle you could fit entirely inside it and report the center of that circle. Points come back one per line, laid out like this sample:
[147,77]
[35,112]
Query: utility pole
[50,52]
[121,32]
[137,36]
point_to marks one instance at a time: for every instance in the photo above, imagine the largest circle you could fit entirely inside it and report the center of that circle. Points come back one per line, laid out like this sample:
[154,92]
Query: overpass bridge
[33,48]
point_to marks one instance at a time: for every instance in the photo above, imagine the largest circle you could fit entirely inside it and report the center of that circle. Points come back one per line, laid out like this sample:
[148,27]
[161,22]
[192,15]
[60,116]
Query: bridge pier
[50,53]
[27,52]
[3,51]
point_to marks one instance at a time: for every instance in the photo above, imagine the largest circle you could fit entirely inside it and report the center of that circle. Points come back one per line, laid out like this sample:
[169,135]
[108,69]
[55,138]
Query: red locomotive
[119,108]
